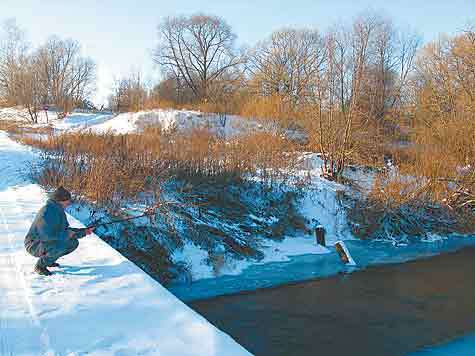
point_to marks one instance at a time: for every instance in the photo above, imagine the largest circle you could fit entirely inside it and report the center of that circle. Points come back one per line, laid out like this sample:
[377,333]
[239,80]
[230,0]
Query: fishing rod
[148,213]
[121,220]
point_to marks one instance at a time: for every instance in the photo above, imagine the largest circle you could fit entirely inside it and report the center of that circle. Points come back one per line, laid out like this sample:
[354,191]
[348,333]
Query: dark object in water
[341,252]
[320,235]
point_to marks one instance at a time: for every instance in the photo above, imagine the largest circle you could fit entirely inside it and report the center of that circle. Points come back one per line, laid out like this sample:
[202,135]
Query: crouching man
[50,236]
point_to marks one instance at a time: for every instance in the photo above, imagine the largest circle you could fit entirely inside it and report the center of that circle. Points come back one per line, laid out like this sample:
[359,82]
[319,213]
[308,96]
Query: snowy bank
[97,303]
[464,346]
[21,115]
[167,120]
[132,122]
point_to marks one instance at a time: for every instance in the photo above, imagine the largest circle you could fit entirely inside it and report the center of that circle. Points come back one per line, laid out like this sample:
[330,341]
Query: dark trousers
[49,252]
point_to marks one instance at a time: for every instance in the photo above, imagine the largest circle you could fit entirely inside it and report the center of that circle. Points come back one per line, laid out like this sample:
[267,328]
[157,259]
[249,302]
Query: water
[311,266]
[381,310]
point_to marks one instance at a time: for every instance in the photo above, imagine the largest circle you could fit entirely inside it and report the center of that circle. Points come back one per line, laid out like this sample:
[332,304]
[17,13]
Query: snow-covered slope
[21,115]
[181,120]
[98,303]
[319,205]
[82,121]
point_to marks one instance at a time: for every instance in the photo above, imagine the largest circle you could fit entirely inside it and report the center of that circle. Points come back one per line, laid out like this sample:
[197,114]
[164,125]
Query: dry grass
[110,169]
[433,188]
[276,108]
[22,129]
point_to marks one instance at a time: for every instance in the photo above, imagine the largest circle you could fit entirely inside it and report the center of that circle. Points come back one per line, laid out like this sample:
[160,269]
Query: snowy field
[97,303]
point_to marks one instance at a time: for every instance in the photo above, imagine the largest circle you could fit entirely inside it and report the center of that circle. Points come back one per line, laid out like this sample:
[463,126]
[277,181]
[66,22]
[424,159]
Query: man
[50,236]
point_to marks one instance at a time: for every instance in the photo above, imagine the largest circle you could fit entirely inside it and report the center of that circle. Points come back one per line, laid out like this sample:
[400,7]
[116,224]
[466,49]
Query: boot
[43,271]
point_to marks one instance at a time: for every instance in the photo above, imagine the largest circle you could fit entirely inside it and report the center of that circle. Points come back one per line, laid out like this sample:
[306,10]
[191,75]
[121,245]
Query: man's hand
[90,230]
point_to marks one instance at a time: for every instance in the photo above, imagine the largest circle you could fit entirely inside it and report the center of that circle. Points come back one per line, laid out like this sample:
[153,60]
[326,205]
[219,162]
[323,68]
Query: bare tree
[339,93]
[13,53]
[55,73]
[174,90]
[445,79]
[198,50]
[66,77]
[391,60]
[331,101]
[19,80]
[129,94]
[409,43]
[288,63]
[28,89]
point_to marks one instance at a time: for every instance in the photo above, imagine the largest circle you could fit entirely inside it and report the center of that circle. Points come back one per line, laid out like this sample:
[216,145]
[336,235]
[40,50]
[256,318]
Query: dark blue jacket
[51,225]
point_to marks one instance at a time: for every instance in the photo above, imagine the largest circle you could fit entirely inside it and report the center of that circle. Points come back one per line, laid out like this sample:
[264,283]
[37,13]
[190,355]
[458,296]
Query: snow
[274,251]
[321,203]
[129,122]
[81,121]
[464,346]
[21,115]
[181,120]
[98,303]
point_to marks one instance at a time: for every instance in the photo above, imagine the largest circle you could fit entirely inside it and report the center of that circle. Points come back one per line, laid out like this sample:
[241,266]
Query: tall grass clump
[431,189]
[110,169]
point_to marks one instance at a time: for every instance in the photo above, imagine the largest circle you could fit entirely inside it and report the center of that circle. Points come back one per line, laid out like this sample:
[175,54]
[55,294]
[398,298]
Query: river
[391,309]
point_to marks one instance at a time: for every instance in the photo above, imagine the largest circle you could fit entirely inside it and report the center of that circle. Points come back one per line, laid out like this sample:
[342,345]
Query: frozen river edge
[307,267]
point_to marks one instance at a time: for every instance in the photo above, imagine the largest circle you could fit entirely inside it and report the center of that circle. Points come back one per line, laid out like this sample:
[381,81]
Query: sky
[120,34]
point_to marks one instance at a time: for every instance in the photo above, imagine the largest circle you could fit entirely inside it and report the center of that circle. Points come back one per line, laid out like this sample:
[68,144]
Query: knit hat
[60,194]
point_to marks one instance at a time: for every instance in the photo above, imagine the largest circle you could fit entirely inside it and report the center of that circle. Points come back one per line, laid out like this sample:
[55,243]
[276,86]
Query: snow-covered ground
[167,119]
[78,121]
[180,120]
[22,116]
[98,303]
[274,251]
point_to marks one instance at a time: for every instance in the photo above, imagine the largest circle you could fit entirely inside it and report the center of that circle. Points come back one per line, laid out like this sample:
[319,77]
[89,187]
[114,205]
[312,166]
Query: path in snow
[98,303]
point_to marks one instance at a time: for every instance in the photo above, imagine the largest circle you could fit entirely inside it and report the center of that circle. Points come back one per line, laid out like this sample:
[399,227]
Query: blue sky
[120,34]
